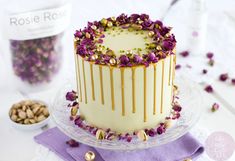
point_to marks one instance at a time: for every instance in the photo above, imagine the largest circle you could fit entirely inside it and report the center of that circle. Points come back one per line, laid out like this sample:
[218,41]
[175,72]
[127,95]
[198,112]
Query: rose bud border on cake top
[88,42]
[108,134]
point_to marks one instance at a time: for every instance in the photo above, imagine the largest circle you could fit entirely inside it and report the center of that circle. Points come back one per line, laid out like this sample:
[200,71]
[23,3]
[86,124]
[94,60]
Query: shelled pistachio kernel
[100,134]
[28,112]
[151,33]
[136,27]
[142,135]
[188,159]
[94,57]
[110,52]
[89,156]
[112,61]
[74,111]
[94,27]
[159,47]
[109,24]
[175,89]
[104,22]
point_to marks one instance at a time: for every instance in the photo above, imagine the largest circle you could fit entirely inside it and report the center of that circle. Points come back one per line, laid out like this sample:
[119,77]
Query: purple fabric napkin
[185,147]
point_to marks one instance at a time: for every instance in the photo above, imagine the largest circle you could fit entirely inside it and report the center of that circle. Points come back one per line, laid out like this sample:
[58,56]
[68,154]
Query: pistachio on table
[28,112]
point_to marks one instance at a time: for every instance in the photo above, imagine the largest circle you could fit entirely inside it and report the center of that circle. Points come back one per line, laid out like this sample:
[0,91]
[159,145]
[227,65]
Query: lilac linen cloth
[185,147]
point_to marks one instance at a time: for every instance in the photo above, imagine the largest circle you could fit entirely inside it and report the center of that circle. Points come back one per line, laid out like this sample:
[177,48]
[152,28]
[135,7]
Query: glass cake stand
[190,99]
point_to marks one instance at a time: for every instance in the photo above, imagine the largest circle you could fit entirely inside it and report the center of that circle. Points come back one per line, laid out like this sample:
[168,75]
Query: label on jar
[38,24]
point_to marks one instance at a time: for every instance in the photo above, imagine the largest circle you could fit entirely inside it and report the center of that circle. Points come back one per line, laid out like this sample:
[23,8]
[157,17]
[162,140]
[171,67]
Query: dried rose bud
[137,59]
[233,81]
[71,96]
[152,132]
[223,77]
[177,108]
[161,129]
[129,138]
[178,66]
[209,55]
[211,62]
[124,60]
[215,107]
[209,89]
[38,60]
[184,53]
[72,143]
[204,71]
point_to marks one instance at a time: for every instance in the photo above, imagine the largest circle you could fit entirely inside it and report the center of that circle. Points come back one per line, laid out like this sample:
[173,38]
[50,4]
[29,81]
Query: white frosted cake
[125,73]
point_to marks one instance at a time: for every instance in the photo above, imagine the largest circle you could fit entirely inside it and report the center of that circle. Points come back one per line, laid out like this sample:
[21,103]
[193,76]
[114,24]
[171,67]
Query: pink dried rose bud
[184,53]
[215,107]
[223,77]
[72,143]
[71,96]
[209,55]
[209,89]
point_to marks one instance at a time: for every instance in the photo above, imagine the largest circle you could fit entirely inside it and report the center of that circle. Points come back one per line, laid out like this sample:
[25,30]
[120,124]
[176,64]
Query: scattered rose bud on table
[208,89]
[204,71]
[178,66]
[223,77]
[72,143]
[209,55]
[184,53]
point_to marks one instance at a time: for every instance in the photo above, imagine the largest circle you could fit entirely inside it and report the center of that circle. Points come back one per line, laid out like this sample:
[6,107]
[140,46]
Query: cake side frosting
[126,99]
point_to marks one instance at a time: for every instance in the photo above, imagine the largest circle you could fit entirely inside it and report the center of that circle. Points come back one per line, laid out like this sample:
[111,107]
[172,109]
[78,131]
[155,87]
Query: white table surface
[17,145]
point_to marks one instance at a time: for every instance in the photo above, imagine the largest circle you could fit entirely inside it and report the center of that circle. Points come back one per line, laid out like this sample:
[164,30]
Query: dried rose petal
[178,66]
[209,89]
[215,107]
[209,55]
[223,77]
[184,53]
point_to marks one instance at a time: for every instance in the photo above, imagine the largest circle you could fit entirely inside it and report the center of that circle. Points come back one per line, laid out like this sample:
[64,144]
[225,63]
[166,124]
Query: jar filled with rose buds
[35,32]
